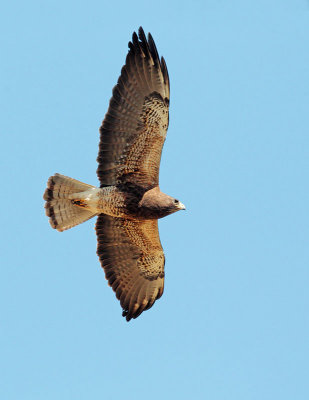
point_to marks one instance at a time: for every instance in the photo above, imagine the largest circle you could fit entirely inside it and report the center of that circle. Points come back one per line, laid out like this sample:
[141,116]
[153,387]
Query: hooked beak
[181,206]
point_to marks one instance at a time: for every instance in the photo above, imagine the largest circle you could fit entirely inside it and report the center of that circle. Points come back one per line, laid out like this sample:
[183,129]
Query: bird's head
[159,204]
[176,205]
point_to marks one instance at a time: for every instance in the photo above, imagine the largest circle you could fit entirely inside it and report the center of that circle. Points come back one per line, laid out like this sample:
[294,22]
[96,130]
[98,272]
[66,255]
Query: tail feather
[62,210]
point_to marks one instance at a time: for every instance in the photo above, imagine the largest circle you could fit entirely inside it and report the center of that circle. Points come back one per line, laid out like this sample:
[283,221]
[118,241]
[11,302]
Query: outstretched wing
[132,257]
[134,129]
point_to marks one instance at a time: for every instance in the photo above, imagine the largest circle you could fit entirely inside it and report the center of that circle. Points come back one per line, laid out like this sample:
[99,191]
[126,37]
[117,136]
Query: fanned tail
[62,210]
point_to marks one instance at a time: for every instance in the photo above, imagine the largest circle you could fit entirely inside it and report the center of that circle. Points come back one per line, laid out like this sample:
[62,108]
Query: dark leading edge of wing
[134,129]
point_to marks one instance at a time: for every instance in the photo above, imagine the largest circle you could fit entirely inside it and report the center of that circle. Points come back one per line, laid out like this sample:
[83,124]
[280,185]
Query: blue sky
[233,321]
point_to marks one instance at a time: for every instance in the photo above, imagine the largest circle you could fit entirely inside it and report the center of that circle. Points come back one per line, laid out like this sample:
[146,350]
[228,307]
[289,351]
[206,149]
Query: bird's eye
[176,201]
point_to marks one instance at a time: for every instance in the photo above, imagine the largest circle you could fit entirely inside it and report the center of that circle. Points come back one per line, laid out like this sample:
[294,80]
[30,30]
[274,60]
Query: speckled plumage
[129,201]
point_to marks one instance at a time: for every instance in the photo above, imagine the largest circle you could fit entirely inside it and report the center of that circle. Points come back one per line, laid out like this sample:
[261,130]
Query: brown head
[156,204]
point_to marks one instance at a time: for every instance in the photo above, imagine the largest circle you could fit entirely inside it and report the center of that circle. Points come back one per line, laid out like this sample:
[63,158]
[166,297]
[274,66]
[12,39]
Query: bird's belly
[108,200]
[112,202]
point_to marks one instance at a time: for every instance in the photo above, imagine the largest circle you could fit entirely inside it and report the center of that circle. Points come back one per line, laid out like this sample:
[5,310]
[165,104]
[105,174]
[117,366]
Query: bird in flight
[128,202]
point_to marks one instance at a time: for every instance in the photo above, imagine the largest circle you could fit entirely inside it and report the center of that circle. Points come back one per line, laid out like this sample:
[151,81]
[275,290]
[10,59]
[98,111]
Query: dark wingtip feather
[153,50]
[141,35]
[141,31]
[135,40]
[126,315]
[140,43]
[165,72]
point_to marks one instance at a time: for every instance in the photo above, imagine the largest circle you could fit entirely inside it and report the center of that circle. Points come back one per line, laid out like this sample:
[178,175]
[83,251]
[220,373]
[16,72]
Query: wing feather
[134,128]
[132,257]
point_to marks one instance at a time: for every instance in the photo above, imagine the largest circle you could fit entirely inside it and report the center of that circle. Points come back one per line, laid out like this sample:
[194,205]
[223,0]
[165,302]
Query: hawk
[128,202]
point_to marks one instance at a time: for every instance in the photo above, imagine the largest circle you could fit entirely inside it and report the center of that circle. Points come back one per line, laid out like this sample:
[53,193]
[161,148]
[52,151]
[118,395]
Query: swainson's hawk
[129,201]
